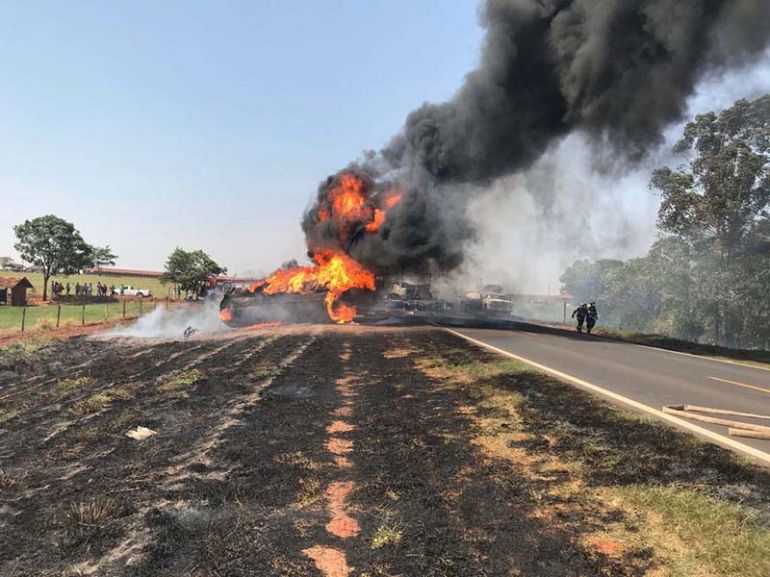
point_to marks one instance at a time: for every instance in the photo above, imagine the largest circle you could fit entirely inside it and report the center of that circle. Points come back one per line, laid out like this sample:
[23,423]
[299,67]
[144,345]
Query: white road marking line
[716,437]
[739,384]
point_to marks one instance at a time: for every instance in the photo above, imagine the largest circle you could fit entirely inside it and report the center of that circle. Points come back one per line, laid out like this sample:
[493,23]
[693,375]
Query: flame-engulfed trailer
[243,310]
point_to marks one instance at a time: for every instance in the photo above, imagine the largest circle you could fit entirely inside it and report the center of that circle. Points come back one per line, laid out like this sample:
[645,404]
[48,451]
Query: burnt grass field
[350,451]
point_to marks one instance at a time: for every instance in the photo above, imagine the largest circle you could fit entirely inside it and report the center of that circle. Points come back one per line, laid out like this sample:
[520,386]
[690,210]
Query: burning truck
[350,207]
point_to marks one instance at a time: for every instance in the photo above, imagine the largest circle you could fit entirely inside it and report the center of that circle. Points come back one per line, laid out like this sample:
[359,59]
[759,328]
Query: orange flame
[392,198]
[348,204]
[259,326]
[379,218]
[226,314]
[334,271]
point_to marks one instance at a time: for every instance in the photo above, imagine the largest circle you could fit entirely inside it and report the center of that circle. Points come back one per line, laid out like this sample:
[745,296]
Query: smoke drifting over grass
[163,323]
[616,73]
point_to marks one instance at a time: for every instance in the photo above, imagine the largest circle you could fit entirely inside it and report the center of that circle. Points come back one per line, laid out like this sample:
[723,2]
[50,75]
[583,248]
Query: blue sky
[208,124]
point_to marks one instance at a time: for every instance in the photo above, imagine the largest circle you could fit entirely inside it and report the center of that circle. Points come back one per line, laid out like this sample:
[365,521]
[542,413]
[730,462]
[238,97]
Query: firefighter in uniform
[591,317]
[581,312]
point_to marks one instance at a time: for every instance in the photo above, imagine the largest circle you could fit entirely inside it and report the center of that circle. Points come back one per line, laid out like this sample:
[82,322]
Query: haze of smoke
[620,70]
[533,225]
[617,71]
[163,323]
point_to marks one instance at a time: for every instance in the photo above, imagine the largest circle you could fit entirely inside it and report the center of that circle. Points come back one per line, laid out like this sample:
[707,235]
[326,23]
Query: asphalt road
[650,376]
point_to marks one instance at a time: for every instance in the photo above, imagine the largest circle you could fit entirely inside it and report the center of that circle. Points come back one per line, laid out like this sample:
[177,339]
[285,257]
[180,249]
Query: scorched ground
[339,451]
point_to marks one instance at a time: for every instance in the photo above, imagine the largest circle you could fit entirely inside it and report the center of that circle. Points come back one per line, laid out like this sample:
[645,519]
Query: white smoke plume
[163,323]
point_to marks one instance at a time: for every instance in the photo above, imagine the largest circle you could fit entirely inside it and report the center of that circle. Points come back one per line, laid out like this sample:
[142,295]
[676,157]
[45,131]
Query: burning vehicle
[350,207]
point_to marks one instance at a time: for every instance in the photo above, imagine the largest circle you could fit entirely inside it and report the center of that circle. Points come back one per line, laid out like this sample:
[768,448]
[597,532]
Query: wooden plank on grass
[724,412]
[714,420]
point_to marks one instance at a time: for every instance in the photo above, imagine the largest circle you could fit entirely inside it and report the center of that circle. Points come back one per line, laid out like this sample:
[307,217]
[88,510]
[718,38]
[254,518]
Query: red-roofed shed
[17,286]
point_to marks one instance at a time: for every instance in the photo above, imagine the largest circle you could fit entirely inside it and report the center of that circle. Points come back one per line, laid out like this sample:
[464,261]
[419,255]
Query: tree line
[707,276]
[58,248]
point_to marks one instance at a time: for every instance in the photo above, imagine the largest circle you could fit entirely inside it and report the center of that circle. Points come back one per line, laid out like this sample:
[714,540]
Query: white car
[132,291]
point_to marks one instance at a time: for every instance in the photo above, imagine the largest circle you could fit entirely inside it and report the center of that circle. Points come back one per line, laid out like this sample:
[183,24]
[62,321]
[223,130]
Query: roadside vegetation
[672,344]
[707,278]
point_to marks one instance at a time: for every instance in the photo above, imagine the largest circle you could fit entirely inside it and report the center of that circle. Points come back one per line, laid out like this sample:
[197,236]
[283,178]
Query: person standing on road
[581,312]
[591,315]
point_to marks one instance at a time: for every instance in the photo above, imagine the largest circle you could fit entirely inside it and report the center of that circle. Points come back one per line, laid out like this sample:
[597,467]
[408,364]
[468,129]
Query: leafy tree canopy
[190,270]
[53,244]
[103,256]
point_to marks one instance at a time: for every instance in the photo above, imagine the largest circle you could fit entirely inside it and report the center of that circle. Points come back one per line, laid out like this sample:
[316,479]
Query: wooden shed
[14,290]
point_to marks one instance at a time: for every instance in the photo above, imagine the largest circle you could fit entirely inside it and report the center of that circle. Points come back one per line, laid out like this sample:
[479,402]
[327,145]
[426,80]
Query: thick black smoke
[618,70]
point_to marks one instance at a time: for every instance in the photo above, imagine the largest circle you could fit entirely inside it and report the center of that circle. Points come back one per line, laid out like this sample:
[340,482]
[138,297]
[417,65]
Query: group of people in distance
[82,290]
[586,313]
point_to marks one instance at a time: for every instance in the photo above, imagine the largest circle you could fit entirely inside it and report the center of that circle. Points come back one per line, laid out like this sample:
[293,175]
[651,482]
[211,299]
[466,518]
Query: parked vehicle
[131,291]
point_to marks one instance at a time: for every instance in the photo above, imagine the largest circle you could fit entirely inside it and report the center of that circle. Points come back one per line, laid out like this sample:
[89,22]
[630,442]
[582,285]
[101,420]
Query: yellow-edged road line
[681,423]
[739,384]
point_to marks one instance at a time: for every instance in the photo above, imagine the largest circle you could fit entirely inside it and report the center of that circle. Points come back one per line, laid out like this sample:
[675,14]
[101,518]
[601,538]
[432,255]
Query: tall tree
[53,244]
[718,204]
[190,271]
[103,256]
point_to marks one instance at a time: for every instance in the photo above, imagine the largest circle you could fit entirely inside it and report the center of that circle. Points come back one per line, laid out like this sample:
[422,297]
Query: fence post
[58,315]
[124,308]
[83,315]
[564,320]
[154,303]
[141,306]
[106,310]
[23,318]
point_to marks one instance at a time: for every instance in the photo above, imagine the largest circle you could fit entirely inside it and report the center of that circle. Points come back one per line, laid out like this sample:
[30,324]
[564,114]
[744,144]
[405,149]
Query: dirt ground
[349,452]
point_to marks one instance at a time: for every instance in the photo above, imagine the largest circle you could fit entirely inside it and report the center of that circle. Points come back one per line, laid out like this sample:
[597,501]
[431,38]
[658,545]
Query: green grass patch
[483,371]
[262,371]
[66,387]
[99,401]
[44,316]
[180,381]
[7,414]
[699,534]
[386,535]
[24,349]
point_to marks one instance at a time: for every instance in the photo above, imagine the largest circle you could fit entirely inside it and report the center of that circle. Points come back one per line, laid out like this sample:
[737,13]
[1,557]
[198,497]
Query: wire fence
[55,315]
